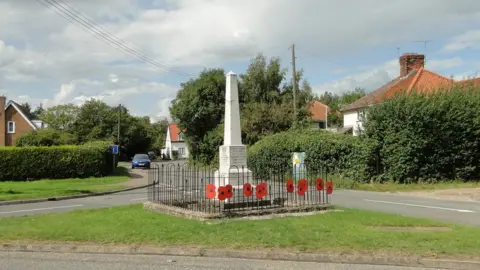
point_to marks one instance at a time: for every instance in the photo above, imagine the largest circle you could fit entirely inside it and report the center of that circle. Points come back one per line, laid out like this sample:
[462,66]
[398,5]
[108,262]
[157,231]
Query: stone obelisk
[233,154]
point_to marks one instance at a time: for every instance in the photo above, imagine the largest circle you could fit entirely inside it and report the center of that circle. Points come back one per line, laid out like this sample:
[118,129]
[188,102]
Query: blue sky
[339,44]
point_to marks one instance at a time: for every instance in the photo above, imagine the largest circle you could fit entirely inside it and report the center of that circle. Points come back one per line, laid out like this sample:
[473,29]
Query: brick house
[414,78]
[15,121]
[319,114]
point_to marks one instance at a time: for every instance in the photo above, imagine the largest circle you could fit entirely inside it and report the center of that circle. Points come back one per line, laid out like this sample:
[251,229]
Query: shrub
[174,154]
[55,162]
[338,153]
[45,137]
[427,137]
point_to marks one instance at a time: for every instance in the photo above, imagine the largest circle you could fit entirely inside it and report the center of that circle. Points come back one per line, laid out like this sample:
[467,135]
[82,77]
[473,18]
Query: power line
[64,10]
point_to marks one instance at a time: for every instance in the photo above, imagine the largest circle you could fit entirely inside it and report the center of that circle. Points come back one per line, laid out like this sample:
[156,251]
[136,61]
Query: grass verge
[16,190]
[397,187]
[347,231]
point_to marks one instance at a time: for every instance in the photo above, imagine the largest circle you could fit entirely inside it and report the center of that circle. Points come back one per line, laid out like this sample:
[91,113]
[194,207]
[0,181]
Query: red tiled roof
[174,131]
[418,80]
[475,82]
[318,111]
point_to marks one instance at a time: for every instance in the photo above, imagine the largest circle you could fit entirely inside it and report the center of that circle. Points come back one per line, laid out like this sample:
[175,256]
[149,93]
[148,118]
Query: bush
[45,137]
[174,154]
[339,154]
[427,137]
[55,162]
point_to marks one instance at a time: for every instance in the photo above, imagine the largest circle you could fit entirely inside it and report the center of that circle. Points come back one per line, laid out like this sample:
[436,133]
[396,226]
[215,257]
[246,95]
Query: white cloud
[439,64]
[469,39]
[42,48]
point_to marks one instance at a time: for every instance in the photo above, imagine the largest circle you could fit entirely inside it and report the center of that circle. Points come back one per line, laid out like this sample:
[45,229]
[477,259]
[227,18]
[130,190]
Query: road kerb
[257,254]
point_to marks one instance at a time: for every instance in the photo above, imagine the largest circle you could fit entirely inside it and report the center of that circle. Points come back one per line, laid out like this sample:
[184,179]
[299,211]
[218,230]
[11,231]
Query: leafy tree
[95,120]
[38,111]
[199,107]
[158,132]
[263,81]
[135,137]
[61,117]
[268,101]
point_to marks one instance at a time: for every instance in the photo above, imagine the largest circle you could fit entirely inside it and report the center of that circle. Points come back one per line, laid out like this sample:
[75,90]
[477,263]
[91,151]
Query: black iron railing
[237,189]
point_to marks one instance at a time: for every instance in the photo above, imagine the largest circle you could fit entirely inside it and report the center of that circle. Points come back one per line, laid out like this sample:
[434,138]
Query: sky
[139,51]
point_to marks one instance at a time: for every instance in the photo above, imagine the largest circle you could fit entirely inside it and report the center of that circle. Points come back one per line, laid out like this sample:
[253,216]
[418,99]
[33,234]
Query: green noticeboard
[298,162]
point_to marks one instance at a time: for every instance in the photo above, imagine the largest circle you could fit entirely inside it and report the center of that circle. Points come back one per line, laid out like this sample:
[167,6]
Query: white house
[174,142]
[413,77]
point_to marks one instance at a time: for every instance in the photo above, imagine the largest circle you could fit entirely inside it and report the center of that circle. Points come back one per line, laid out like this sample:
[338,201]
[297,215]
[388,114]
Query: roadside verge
[77,196]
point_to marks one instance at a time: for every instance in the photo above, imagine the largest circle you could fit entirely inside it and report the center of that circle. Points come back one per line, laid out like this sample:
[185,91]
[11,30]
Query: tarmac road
[61,261]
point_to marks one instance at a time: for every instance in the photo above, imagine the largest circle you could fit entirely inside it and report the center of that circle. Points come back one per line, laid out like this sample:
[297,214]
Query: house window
[180,136]
[181,151]
[11,127]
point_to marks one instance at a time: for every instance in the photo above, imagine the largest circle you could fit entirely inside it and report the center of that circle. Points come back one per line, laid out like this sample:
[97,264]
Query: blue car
[141,161]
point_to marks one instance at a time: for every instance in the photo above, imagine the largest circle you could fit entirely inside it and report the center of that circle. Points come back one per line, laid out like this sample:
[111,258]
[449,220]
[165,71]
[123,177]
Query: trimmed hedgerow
[422,137]
[339,154]
[55,162]
[45,137]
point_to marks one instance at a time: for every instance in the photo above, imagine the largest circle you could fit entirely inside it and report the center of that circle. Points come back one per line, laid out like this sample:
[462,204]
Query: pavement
[79,261]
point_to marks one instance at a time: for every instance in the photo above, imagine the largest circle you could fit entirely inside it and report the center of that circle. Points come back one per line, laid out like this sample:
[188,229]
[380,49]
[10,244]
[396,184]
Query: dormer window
[180,136]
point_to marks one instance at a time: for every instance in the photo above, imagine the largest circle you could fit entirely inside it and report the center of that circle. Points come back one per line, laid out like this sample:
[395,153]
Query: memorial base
[237,178]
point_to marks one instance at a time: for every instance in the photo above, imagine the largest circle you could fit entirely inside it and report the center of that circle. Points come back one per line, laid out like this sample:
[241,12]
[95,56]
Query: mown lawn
[348,230]
[16,190]
[393,187]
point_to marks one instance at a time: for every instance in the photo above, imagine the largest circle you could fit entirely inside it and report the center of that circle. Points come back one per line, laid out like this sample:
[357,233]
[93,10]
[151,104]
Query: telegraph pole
[294,85]
[118,125]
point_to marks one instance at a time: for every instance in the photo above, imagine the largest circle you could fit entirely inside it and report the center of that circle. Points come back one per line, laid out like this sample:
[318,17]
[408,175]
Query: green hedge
[45,137]
[339,154]
[55,162]
[427,137]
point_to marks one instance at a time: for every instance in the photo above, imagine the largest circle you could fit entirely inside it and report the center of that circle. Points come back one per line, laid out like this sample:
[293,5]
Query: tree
[26,106]
[198,109]
[262,82]
[158,132]
[95,120]
[60,117]
[268,100]
[38,111]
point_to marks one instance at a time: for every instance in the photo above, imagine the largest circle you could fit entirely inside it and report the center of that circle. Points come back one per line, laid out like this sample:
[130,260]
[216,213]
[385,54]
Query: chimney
[3,124]
[411,61]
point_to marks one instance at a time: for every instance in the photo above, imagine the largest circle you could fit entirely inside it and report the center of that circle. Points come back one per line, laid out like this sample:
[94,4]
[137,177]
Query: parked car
[141,161]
